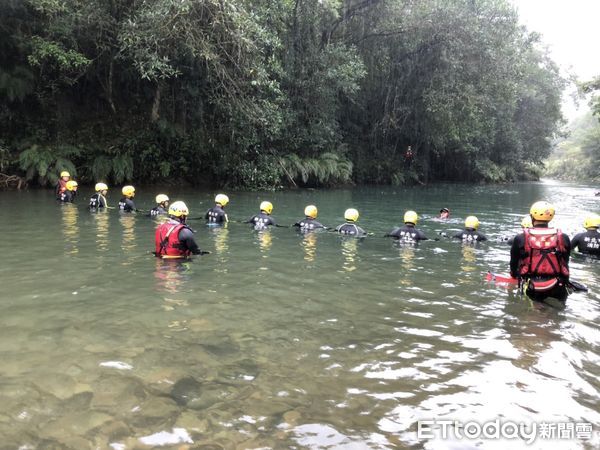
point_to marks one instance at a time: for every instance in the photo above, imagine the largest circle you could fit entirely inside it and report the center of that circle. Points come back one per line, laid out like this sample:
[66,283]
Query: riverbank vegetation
[263,93]
[576,155]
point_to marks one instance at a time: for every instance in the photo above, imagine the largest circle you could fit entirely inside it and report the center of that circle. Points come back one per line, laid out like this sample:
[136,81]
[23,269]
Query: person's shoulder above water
[408,232]
[309,222]
[350,228]
[471,233]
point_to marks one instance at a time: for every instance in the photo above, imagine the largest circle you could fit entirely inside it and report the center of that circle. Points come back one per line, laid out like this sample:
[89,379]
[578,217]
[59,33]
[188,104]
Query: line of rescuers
[587,242]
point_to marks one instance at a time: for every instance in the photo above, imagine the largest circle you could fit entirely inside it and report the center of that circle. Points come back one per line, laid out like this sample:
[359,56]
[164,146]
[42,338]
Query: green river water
[278,340]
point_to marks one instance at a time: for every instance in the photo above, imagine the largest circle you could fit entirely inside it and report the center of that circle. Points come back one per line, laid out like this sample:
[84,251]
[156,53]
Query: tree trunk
[156,105]
[109,92]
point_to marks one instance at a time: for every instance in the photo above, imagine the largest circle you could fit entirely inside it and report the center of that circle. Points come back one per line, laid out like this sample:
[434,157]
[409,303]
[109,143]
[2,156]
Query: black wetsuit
[67,197]
[127,205]
[216,215]
[186,239]
[517,253]
[158,210]
[407,233]
[470,235]
[97,201]
[351,229]
[588,242]
[308,224]
[261,221]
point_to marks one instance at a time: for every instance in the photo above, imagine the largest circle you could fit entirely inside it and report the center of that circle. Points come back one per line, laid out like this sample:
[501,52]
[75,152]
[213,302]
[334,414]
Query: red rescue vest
[167,240]
[544,253]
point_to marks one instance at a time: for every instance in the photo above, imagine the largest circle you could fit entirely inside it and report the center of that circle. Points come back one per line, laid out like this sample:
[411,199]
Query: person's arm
[458,236]
[481,237]
[206,215]
[515,255]
[130,204]
[393,233]
[421,236]
[568,247]
[272,222]
[575,242]
[186,237]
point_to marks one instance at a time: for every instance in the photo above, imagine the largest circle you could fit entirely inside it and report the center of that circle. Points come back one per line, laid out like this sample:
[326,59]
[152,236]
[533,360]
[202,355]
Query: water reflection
[70,228]
[349,250]
[128,242]
[468,263]
[531,327]
[407,255]
[220,237]
[101,217]
[309,244]
[171,275]
[264,241]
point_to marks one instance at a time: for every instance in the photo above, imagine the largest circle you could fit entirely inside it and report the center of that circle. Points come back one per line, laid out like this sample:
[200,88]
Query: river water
[277,340]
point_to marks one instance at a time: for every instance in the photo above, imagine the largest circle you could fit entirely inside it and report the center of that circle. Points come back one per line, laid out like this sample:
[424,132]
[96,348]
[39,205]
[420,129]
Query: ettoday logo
[497,429]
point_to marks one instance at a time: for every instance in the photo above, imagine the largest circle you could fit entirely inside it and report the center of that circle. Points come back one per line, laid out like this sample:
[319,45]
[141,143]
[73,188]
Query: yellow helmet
[64,173]
[351,214]
[542,211]
[71,185]
[311,211]
[411,217]
[128,191]
[101,187]
[591,221]
[161,198]
[472,222]
[526,222]
[221,199]
[266,207]
[178,209]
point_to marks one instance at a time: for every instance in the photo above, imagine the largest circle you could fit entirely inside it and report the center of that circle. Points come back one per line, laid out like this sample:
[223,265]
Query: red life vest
[167,240]
[544,253]
[61,186]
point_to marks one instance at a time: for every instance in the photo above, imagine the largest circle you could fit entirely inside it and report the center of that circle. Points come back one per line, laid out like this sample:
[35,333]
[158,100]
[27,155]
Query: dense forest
[264,93]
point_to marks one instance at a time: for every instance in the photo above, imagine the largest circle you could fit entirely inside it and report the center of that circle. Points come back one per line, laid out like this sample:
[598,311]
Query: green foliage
[592,88]
[48,54]
[575,157]
[261,174]
[16,84]
[263,93]
[117,168]
[46,163]
[326,169]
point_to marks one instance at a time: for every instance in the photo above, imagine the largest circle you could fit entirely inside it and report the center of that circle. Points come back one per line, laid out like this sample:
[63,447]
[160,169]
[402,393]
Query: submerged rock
[191,393]
[242,370]
[185,390]
[156,411]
